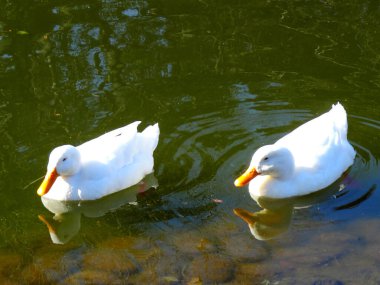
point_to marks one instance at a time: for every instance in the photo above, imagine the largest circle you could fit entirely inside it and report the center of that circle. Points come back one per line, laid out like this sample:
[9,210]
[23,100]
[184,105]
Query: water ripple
[362,180]
[209,150]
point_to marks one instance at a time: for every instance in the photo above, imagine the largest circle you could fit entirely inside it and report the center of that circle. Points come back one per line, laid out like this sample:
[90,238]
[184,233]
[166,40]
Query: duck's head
[63,161]
[270,160]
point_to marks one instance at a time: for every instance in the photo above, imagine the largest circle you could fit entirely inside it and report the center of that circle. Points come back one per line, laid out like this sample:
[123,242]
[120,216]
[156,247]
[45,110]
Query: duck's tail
[149,137]
[340,119]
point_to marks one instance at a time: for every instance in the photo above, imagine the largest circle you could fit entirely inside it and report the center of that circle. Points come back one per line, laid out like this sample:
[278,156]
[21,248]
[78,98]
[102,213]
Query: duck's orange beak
[48,182]
[247,176]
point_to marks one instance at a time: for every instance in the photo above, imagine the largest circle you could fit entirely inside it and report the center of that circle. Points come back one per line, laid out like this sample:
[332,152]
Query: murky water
[221,79]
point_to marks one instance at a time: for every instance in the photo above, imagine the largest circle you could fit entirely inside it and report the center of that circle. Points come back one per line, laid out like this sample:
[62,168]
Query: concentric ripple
[208,151]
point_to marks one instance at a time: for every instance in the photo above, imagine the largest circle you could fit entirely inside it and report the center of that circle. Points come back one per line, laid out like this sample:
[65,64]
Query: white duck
[308,159]
[102,166]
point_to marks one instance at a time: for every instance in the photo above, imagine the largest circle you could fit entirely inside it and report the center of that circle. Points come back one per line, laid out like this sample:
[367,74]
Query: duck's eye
[64,159]
[266,158]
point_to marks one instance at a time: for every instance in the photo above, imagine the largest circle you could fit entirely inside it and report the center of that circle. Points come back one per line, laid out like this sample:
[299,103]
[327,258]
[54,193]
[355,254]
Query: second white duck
[306,160]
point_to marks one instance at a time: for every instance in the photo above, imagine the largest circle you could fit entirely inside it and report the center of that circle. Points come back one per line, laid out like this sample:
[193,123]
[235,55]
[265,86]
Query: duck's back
[322,140]
[111,147]
[125,155]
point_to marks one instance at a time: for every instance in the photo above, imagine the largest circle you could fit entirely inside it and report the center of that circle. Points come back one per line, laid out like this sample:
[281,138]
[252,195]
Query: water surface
[221,79]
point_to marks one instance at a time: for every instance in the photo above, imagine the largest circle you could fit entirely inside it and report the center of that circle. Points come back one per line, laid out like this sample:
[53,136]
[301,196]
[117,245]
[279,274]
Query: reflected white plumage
[306,160]
[102,166]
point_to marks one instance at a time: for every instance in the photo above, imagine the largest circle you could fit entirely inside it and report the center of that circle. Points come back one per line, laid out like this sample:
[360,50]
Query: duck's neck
[285,173]
[285,167]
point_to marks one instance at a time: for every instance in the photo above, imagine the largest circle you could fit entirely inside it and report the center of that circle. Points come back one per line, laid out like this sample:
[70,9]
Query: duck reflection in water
[276,216]
[66,222]
[268,223]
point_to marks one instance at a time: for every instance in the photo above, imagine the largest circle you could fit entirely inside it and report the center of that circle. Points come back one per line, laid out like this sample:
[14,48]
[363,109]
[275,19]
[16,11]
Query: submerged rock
[250,273]
[10,263]
[93,277]
[140,248]
[193,243]
[244,248]
[33,274]
[210,268]
[51,266]
[110,261]
[328,282]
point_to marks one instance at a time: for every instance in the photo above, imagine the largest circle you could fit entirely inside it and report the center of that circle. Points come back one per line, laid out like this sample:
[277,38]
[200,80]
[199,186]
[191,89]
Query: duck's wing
[314,139]
[112,148]
[120,160]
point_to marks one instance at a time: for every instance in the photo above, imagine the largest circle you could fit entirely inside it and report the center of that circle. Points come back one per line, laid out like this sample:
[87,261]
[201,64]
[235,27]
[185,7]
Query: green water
[221,78]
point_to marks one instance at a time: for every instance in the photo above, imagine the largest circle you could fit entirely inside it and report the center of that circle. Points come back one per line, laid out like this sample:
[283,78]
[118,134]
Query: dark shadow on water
[359,200]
